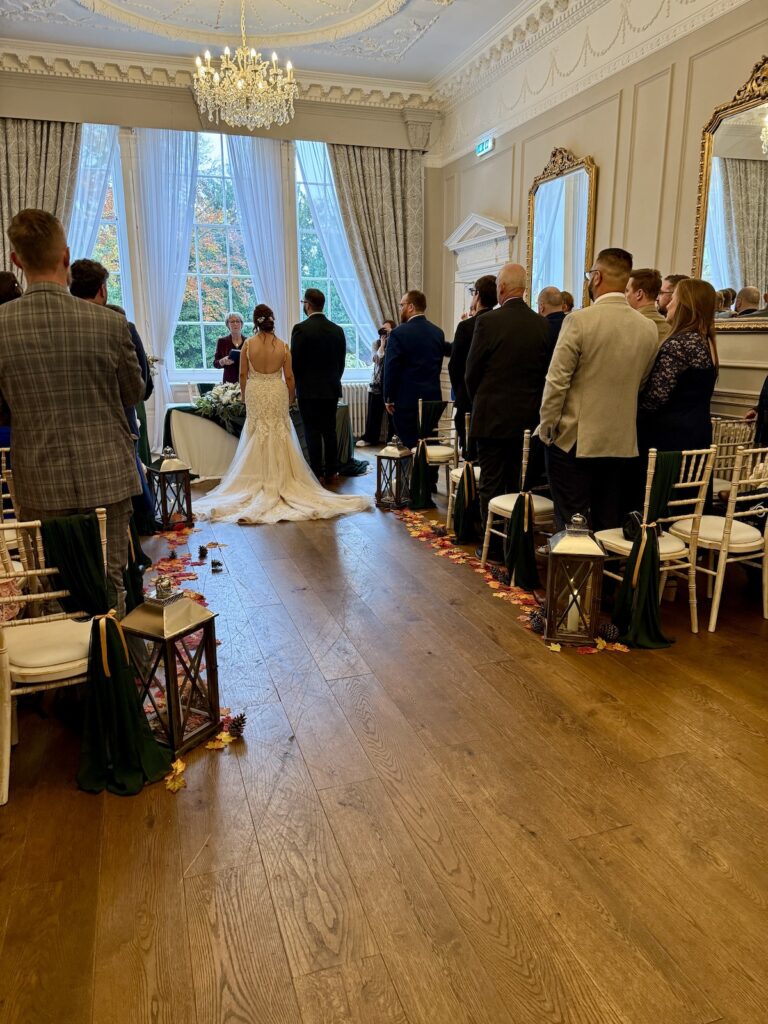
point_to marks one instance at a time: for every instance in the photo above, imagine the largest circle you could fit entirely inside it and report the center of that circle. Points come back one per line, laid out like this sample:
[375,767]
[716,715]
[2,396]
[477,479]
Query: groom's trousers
[319,416]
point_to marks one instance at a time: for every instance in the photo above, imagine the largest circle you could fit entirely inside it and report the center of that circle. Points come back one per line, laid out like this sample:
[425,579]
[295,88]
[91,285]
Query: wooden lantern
[393,475]
[179,683]
[574,585]
[168,479]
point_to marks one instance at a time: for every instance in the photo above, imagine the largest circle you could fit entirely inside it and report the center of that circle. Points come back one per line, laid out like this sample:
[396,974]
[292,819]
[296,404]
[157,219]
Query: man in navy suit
[412,366]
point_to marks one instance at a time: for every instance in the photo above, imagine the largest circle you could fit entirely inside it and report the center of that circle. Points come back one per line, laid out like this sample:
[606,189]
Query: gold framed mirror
[561,225]
[730,244]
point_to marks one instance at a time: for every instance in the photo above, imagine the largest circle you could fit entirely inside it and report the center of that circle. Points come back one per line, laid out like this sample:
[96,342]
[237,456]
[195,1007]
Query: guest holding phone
[227,357]
[375,415]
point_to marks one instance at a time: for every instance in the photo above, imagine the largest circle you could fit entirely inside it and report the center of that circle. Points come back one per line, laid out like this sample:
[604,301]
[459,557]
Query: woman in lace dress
[269,479]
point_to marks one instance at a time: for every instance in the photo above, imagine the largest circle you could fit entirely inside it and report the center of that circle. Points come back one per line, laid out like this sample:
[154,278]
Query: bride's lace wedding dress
[269,479]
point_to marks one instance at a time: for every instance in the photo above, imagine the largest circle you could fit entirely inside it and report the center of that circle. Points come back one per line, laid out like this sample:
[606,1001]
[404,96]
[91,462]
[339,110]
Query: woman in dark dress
[375,413]
[675,402]
[233,340]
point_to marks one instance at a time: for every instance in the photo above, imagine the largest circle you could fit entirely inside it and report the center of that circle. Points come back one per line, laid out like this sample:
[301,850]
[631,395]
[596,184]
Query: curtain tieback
[645,527]
[102,621]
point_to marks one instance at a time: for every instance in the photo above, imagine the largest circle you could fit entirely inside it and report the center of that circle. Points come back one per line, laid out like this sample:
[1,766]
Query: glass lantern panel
[573,596]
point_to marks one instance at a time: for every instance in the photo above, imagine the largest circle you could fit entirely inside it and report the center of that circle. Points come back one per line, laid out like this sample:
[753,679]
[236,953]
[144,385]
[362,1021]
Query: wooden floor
[432,817]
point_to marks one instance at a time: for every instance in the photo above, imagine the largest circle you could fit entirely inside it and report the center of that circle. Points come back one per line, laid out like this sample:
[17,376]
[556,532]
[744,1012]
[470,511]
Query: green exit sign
[485,146]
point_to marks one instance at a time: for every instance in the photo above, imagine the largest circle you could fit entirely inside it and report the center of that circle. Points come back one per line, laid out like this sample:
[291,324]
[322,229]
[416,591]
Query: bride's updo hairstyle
[263,319]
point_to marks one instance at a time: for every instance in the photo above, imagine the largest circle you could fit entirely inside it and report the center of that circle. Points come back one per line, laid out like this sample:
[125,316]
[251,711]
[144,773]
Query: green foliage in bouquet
[223,404]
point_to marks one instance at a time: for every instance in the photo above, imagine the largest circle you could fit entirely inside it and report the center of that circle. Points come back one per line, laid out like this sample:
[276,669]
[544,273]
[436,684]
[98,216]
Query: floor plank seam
[603,832]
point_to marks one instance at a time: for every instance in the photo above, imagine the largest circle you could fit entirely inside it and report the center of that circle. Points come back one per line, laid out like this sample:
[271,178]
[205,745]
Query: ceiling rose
[295,23]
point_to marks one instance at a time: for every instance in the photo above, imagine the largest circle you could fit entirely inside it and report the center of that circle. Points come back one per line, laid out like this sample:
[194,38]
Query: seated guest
[376,411]
[760,413]
[483,301]
[222,359]
[643,288]
[747,302]
[761,312]
[589,409]
[551,307]
[667,290]
[675,402]
[568,302]
[9,287]
[505,373]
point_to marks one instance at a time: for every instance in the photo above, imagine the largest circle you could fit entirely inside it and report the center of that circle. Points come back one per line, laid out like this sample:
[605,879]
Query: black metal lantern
[393,475]
[169,482]
[178,679]
[574,585]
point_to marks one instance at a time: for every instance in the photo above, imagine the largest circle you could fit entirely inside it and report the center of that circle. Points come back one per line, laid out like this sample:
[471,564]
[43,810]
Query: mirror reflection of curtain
[576,203]
[548,237]
[721,262]
[745,198]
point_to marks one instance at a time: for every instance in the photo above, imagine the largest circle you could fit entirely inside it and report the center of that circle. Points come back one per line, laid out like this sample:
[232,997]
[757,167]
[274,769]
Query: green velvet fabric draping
[138,563]
[519,548]
[421,488]
[466,506]
[637,605]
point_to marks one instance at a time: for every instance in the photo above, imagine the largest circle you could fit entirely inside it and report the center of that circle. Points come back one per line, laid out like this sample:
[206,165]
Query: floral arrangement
[223,403]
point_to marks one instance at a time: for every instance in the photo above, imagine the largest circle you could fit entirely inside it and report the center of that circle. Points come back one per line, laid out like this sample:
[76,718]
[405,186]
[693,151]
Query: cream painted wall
[643,129]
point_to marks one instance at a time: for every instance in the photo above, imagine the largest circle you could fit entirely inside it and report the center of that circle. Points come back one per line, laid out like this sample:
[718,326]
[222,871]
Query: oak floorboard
[356,993]
[240,968]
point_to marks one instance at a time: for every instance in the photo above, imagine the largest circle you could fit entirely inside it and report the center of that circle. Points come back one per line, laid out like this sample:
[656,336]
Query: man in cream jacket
[603,356]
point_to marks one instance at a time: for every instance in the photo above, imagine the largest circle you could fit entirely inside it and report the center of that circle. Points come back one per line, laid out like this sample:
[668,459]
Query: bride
[269,479]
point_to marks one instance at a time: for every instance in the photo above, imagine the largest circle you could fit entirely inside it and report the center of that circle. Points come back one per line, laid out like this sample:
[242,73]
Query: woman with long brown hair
[675,402]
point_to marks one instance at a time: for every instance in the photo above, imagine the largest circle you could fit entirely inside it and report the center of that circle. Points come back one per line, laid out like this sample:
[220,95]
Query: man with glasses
[604,354]
[668,286]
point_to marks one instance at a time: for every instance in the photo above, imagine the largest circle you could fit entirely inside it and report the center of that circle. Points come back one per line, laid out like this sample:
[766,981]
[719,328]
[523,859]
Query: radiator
[355,394]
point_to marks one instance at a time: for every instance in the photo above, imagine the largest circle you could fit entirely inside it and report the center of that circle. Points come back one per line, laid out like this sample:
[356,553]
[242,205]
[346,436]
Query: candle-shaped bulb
[198,61]
[216,78]
[208,56]
[253,52]
[226,51]
[289,69]
[274,58]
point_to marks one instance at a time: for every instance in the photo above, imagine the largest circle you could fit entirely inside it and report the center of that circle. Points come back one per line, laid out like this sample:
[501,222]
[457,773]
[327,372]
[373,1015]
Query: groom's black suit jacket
[318,353]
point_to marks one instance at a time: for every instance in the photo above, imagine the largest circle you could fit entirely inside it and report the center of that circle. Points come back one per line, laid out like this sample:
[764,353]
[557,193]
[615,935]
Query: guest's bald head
[511,282]
[748,298]
[550,300]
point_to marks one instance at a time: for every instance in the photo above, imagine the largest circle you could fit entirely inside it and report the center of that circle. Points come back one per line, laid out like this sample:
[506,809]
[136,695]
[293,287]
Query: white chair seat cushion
[743,536]
[438,453]
[615,542]
[47,651]
[504,503]
[719,483]
[456,474]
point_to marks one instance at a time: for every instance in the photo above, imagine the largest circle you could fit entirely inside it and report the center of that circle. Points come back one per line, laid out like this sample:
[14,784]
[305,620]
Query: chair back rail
[728,434]
[749,485]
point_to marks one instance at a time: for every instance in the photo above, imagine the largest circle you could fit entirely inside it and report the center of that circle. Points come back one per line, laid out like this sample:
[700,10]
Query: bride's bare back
[266,353]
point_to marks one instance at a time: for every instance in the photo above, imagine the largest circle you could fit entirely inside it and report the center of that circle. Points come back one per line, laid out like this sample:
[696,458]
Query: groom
[318,353]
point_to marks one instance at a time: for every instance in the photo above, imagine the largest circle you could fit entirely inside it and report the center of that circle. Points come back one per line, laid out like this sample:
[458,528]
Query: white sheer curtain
[166,179]
[721,262]
[548,237]
[576,202]
[98,144]
[256,168]
[317,177]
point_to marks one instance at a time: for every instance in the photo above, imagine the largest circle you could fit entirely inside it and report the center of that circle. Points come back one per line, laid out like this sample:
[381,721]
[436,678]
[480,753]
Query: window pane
[209,204]
[243,301]
[337,311]
[209,153]
[109,204]
[212,334]
[106,250]
[187,346]
[215,295]
[229,193]
[238,264]
[189,307]
[303,213]
[311,256]
[192,268]
[212,250]
[115,290]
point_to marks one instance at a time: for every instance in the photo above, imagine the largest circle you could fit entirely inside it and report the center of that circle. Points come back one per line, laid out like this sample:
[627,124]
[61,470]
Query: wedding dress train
[269,479]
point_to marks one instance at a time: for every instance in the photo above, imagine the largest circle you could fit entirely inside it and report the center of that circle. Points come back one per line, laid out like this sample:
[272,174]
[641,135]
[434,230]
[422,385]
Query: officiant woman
[223,360]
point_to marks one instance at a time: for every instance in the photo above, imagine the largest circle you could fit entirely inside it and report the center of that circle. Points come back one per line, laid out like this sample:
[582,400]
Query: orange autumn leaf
[174,783]
[224,738]
[178,766]
[214,745]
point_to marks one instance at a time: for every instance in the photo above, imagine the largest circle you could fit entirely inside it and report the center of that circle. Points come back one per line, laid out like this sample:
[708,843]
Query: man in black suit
[505,375]
[318,353]
[412,366]
[483,301]
[550,305]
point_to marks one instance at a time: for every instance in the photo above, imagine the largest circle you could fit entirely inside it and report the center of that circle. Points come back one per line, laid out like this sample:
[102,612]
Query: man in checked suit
[67,370]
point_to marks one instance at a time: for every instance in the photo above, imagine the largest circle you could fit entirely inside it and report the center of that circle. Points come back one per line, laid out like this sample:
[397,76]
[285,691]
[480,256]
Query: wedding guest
[483,301]
[760,413]
[66,393]
[376,411]
[747,302]
[667,290]
[643,289]
[729,297]
[9,287]
[761,312]
[552,308]
[568,302]
[223,358]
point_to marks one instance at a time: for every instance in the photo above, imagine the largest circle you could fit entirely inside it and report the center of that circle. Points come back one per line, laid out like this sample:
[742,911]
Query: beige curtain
[745,199]
[381,196]
[38,168]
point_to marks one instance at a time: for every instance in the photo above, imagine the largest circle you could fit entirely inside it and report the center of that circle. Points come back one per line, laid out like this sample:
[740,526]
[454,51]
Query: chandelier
[247,91]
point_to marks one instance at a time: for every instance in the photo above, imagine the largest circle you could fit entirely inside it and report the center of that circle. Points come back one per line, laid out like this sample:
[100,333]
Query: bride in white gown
[269,479]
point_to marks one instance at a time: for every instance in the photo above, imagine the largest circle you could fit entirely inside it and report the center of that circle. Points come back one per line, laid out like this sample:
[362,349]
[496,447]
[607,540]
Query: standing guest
[675,402]
[551,307]
[72,449]
[376,411]
[568,302]
[412,366]
[604,354]
[747,302]
[643,289]
[318,351]
[9,287]
[483,301]
[506,368]
[226,345]
[666,292]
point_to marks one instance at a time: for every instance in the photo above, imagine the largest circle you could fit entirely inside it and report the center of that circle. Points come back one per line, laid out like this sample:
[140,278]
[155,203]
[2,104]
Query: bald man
[747,302]
[505,373]
[551,305]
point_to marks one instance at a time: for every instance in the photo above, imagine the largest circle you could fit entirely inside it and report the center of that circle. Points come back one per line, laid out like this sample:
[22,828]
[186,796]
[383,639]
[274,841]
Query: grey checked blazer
[67,369]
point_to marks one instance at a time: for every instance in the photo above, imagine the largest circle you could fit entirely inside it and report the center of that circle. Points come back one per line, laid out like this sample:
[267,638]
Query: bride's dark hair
[263,319]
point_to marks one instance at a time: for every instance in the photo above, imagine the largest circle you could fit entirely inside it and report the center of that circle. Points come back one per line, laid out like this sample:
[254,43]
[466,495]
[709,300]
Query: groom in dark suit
[318,353]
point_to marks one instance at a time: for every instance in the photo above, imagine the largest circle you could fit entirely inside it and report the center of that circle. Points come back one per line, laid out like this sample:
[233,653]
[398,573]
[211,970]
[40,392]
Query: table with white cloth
[208,448]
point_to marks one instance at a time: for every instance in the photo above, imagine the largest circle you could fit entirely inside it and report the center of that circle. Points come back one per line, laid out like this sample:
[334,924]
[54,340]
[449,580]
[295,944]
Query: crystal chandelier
[246,92]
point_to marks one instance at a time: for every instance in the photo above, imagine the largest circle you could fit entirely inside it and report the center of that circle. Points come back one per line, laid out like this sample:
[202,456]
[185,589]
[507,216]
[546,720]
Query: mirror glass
[559,254]
[736,236]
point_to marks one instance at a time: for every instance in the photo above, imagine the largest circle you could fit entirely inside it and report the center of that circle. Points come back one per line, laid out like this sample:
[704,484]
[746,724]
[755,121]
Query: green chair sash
[519,548]
[466,506]
[421,489]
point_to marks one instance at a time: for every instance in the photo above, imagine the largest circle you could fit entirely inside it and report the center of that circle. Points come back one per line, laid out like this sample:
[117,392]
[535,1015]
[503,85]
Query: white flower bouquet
[223,404]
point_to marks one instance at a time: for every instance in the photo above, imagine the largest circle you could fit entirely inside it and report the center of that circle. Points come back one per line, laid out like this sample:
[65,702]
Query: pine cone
[237,726]
[202,552]
[538,622]
[608,632]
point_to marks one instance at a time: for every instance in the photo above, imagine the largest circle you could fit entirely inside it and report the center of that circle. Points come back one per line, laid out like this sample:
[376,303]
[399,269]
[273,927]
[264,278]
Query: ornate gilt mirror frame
[560,163]
[751,94]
